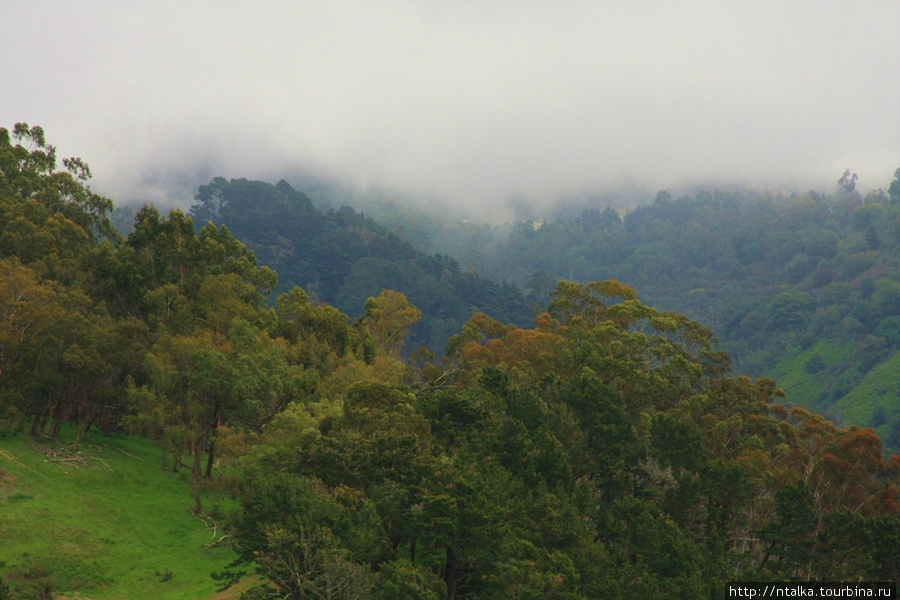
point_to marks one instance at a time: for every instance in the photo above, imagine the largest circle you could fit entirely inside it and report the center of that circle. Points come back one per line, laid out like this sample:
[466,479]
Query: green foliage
[874,388]
[343,258]
[789,310]
[308,540]
[894,189]
[816,364]
[28,173]
[504,483]
[771,273]
[606,452]
[401,579]
[889,330]
[792,532]
[388,319]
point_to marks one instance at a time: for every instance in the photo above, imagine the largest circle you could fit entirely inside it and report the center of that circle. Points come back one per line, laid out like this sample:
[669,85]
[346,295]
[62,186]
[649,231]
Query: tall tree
[388,319]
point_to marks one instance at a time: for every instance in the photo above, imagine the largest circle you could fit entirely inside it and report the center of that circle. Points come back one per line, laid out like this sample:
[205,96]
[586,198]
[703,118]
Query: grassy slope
[880,386]
[117,528]
[803,388]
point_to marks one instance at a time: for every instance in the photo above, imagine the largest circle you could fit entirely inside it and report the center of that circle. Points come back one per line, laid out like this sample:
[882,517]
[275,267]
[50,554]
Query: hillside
[773,274]
[343,258]
[607,450]
[104,521]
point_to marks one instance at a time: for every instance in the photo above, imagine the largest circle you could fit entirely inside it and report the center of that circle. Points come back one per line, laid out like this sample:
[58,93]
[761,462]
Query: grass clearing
[875,393]
[880,387]
[803,388]
[106,523]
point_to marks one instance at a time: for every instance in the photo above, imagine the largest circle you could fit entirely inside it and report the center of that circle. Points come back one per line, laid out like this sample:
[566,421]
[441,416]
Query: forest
[568,441]
[802,287]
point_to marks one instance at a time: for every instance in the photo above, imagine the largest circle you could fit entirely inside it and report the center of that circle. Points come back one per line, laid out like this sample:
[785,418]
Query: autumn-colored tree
[388,319]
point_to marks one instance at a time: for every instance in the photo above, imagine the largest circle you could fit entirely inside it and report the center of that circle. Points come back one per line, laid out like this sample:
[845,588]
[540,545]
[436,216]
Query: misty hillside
[607,450]
[341,257]
[448,300]
[799,286]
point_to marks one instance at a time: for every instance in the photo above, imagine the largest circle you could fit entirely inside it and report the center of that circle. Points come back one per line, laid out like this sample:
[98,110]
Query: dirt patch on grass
[235,591]
[7,484]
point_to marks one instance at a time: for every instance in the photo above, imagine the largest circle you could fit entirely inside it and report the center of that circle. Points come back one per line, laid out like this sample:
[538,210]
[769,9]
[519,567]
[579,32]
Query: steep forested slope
[605,452]
[774,275]
[343,258]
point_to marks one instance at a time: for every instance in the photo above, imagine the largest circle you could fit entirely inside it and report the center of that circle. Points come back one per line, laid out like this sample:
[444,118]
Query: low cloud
[467,103]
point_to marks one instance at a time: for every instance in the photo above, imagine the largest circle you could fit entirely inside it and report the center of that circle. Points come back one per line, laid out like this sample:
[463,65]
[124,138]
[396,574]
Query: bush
[821,278]
[816,364]
[866,288]
[844,384]
[855,265]
[889,329]
[807,340]
[869,352]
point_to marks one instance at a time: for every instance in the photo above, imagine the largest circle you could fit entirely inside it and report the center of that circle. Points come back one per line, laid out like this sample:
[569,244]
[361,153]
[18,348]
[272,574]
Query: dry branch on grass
[215,543]
[63,457]
[210,524]
[14,460]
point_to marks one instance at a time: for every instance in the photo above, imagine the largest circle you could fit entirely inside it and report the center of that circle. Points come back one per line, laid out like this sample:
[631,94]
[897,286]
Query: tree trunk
[196,473]
[450,573]
[214,426]
[209,460]
[78,436]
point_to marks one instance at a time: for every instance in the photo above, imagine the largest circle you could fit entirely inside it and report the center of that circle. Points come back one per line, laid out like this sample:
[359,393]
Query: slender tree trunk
[450,573]
[78,436]
[210,459]
[45,414]
[84,419]
[196,472]
[212,442]
[90,422]
[766,557]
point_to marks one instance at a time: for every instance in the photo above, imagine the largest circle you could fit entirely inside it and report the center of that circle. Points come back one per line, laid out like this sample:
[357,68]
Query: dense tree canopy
[606,451]
[342,258]
[780,278]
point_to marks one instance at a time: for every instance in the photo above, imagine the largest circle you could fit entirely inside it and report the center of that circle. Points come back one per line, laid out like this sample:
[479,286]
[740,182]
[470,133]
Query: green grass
[107,523]
[801,387]
[881,386]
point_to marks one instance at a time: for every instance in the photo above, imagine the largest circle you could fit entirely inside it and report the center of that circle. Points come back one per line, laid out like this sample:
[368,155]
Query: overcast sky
[473,102]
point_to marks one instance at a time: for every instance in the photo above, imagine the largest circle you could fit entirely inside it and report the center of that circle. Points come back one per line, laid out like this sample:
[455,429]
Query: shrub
[816,364]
